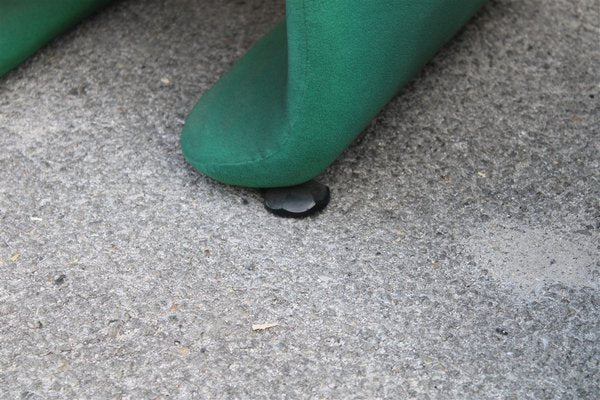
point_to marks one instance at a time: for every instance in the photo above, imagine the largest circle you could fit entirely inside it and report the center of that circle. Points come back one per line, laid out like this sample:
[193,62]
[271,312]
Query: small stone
[60,279]
[297,201]
[502,331]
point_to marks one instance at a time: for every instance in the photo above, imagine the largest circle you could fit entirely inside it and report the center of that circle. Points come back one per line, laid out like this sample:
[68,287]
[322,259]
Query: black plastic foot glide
[297,201]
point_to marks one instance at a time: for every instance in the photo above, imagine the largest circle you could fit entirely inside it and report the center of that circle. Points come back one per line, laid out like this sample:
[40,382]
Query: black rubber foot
[297,201]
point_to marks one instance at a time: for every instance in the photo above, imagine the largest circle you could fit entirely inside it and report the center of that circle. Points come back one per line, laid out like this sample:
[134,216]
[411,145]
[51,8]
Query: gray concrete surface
[459,258]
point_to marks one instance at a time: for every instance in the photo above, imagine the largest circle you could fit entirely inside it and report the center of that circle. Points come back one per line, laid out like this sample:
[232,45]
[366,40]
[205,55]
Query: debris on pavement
[262,327]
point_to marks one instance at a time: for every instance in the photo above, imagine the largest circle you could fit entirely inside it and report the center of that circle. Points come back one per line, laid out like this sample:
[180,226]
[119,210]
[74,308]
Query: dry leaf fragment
[15,257]
[183,351]
[262,327]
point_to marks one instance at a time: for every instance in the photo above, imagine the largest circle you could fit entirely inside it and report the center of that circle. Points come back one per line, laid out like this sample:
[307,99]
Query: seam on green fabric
[305,70]
[289,123]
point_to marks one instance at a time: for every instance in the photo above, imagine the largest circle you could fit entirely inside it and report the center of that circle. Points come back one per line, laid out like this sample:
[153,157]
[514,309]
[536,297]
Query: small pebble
[60,279]
[502,331]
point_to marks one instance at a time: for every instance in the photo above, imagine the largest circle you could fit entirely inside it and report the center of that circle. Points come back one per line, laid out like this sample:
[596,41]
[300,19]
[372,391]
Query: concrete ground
[459,257]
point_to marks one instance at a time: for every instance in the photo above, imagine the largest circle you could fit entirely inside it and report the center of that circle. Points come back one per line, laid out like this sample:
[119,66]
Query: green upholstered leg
[26,25]
[300,96]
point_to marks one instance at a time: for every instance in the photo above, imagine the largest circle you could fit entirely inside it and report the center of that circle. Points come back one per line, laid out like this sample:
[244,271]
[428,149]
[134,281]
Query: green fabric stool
[26,25]
[300,96]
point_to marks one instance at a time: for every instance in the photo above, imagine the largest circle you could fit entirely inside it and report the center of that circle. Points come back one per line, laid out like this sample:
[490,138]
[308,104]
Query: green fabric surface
[26,25]
[300,96]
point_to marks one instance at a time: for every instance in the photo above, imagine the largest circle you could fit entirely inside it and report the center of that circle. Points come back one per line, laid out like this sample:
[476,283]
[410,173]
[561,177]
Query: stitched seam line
[289,123]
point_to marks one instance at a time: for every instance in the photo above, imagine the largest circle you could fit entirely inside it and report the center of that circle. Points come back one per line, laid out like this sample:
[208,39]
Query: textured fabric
[26,25]
[300,96]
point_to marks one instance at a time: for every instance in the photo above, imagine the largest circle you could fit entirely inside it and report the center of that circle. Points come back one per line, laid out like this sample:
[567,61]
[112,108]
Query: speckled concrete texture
[459,257]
